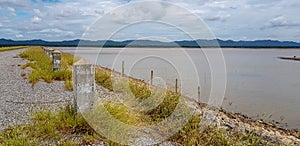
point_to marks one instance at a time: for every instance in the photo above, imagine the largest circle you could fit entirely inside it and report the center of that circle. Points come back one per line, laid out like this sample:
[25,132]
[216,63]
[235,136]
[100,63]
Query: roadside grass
[48,128]
[2,49]
[43,68]
[62,128]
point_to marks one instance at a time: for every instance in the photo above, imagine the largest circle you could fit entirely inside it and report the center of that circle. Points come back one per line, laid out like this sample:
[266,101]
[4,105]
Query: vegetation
[103,78]
[43,68]
[2,49]
[189,135]
[49,128]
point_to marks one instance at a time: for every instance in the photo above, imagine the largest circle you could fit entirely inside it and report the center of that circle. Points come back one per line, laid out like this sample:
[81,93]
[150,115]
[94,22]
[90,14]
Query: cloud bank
[227,19]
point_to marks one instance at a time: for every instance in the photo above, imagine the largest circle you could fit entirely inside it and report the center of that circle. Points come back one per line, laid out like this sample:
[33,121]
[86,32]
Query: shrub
[43,68]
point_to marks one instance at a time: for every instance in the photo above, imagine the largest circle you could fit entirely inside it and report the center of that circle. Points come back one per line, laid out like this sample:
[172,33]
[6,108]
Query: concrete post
[84,85]
[56,60]
[46,51]
[51,52]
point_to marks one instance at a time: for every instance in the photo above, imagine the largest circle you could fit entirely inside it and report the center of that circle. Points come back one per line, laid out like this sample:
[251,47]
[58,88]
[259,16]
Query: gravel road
[18,99]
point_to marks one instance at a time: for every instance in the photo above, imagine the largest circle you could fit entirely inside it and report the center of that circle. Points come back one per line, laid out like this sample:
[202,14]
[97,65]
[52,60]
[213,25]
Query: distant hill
[150,43]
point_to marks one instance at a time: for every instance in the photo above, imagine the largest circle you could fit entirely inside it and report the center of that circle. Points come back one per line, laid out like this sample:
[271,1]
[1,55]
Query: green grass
[103,78]
[43,68]
[59,128]
[2,49]
[48,127]
[189,135]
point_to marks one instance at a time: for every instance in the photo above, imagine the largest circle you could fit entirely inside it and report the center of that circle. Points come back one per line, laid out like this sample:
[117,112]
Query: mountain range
[151,43]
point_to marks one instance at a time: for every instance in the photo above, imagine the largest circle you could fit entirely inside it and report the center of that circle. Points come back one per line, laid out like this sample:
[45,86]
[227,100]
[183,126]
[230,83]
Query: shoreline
[236,121]
[290,58]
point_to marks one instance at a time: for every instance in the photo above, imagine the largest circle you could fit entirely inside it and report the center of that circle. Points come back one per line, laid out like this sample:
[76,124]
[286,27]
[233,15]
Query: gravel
[18,99]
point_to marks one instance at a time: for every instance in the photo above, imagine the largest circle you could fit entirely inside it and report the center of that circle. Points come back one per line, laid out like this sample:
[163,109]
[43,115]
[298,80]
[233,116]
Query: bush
[43,68]
[103,78]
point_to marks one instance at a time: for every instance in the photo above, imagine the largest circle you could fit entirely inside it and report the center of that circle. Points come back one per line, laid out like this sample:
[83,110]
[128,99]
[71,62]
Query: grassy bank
[43,68]
[189,135]
[65,127]
[47,128]
[2,49]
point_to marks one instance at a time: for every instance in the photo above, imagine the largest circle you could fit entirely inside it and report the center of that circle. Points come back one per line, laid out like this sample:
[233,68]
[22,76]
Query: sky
[55,20]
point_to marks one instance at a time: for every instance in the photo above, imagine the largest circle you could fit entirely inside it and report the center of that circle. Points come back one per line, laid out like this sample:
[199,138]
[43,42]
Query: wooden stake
[199,94]
[123,68]
[151,78]
[176,86]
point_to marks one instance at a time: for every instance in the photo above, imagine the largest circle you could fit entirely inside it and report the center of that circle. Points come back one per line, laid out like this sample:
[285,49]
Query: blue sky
[227,19]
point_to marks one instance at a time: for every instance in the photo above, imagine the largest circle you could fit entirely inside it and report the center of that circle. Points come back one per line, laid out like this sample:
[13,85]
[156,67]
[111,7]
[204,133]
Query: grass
[60,128]
[48,128]
[103,78]
[43,68]
[2,49]
[189,135]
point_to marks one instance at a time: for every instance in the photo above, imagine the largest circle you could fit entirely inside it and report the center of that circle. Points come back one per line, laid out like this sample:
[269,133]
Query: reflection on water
[258,83]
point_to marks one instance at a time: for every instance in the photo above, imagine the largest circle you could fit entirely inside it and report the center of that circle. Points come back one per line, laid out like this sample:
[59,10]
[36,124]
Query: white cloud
[12,11]
[216,4]
[279,21]
[37,12]
[19,36]
[218,17]
[6,21]
[36,19]
[138,12]
[15,3]
[58,31]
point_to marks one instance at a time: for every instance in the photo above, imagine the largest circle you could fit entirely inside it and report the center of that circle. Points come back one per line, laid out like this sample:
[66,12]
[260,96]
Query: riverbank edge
[236,121]
[290,58]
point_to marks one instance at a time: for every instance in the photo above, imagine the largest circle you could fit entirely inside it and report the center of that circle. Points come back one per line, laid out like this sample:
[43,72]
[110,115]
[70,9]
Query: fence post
[46,51]
[199,95]
[176,86]
[84,85]
[151,78]
[123,63]
[51,53]
[56,60]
